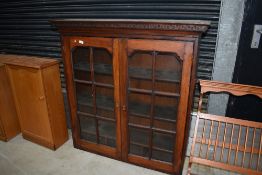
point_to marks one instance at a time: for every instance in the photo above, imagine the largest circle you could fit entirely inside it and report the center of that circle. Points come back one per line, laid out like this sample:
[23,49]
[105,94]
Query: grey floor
[21,157]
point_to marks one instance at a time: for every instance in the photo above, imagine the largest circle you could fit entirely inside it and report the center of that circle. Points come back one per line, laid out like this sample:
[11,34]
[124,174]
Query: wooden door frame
[69,42]
[187,55]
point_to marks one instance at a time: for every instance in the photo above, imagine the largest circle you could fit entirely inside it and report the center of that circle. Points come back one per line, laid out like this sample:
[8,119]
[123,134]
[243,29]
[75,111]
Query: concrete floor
[22,157]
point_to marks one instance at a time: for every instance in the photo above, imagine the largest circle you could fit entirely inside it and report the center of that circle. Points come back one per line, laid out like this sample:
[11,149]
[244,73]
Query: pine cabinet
[35,84]
[130,86]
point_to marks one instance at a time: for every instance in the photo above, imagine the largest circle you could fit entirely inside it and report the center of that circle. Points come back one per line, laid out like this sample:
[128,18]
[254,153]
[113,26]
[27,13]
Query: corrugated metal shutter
[25,28]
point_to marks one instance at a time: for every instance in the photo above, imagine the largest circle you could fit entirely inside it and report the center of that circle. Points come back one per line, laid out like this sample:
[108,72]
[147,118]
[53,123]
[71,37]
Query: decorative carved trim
[132,25]
[235,89]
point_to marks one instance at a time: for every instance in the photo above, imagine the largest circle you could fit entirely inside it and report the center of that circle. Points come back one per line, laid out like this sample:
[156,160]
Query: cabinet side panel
[10,124]
[31,104]
[55,103]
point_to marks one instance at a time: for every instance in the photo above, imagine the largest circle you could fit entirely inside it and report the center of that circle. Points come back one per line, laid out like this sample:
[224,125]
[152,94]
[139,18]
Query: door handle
[259,31]
[256,36]
[124,107]
[41,97]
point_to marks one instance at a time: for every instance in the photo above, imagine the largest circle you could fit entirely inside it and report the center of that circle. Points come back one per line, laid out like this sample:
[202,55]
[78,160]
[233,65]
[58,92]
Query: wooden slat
[210,135]
[224,166]
[238,141]
[245,146]
[252,148]
[217,143]
[230,144]
[230,120]
[210,86]
[223,143]
[203,134]
[260,145]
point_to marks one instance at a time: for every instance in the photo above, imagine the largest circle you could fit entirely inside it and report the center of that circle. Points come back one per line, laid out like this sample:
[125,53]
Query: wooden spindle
[238,140]
[260,145]
[252,147]
[223,143]
[230,144]
[245,146]
[202,138]
[209,141]
[217,139]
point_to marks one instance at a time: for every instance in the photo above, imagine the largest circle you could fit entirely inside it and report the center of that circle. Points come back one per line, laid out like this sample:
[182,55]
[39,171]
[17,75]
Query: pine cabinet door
[157,79]
[31,105]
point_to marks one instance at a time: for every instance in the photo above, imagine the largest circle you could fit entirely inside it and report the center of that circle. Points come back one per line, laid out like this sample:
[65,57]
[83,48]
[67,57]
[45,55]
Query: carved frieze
[133,25]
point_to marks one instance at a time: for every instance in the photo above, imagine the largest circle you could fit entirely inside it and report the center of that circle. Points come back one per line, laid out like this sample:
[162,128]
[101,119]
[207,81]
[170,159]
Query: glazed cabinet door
[94,70]
[156,74]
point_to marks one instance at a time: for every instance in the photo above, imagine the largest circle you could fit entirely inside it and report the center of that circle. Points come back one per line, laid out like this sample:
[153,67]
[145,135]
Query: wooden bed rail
[227,143]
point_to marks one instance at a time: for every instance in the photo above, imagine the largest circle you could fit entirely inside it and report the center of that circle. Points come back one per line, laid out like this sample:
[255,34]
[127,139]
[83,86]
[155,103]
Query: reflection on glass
[163,141]
[162,156]
[139,140]
[153,97]
[84,99]
[93,76]
[165,107]
[87,128]
[105,102]
[81,63]
[139,104]
[107,131]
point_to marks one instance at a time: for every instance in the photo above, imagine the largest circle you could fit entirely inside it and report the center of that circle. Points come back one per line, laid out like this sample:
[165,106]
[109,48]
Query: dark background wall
[24,26]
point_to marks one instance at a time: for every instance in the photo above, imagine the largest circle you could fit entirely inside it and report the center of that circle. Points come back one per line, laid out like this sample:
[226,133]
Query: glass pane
[140,83]
[168,67]
[139,104]
[139,142]
[138,120]
[107,133]
[87,128]
[140,70]
[165,107]
[162,156]
[103,66]
[163,141]
[163,145]
[81,63]
[105,102]
[164,125]
[95,94]
[84,98]
[153,97]
[168,73]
